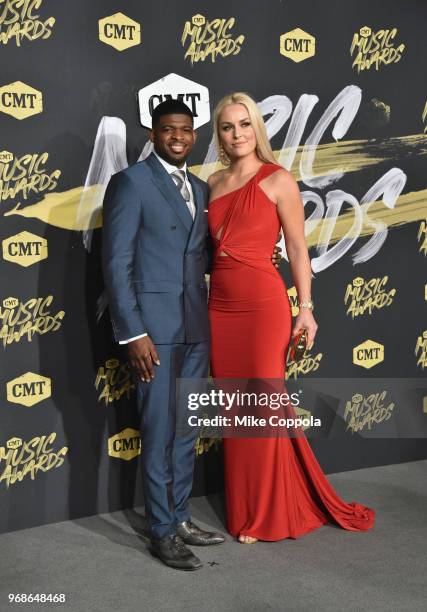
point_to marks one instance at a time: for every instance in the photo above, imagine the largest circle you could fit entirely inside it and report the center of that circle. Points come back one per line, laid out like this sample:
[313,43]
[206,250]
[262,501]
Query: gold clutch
[298,345]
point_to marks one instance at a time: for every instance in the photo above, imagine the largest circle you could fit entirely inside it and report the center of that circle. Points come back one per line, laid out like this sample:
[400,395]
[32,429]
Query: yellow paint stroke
[68,210]
[61,209]
[346,156]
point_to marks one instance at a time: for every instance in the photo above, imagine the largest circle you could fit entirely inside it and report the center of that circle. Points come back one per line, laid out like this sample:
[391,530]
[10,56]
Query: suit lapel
[200,216]
[170,192]
[198,197]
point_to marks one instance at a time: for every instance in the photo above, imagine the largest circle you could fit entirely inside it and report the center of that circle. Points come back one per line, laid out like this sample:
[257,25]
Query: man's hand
[276,258]
[142,354]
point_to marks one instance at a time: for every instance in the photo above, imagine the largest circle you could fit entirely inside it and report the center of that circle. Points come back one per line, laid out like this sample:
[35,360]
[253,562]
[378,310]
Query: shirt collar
[170,167]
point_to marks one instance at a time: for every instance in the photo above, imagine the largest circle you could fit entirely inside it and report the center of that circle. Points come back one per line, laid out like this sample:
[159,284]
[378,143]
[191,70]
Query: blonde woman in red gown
[274,486]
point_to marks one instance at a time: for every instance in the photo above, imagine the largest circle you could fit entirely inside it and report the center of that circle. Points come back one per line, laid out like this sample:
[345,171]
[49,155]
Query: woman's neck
[242,166]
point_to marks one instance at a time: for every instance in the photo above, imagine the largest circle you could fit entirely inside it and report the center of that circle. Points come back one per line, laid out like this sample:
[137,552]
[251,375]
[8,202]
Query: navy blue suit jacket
[154,256]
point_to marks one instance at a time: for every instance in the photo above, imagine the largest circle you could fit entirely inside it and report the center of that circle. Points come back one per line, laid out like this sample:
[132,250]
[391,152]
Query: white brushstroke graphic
[109,157]
[345,105]
[389,186]
[334,203]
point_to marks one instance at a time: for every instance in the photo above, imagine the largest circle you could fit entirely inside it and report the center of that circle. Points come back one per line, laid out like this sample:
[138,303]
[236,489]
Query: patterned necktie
[178,177]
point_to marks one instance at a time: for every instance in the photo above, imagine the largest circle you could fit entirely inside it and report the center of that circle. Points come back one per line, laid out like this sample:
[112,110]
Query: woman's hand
[305,320]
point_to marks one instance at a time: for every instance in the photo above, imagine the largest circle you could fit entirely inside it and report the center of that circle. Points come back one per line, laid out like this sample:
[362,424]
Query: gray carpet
[101,563]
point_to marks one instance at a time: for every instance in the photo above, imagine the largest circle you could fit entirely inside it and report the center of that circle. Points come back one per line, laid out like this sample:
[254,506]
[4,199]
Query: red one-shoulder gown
[274,486]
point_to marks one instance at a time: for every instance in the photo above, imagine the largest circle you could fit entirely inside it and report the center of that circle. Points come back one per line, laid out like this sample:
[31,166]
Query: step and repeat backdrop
[343,91]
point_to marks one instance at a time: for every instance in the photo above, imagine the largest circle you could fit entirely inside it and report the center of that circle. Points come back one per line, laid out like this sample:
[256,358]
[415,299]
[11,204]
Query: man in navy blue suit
[155,238]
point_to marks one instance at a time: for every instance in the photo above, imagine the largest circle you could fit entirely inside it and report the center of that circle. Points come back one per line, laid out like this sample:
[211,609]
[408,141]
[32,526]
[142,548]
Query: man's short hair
[170,107]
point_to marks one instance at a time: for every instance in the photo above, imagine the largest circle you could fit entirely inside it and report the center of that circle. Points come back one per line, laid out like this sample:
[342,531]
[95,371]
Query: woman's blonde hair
[263,147]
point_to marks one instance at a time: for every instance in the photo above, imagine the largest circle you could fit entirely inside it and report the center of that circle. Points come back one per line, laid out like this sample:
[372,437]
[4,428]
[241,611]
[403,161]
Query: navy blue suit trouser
[168,459]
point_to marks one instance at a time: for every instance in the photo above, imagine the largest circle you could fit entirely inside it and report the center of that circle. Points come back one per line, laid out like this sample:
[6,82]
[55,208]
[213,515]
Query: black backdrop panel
[69,440]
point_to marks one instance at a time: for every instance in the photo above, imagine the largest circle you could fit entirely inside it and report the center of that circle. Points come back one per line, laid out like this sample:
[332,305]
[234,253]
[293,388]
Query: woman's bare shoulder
[282,177]
[215,177]
[282,181]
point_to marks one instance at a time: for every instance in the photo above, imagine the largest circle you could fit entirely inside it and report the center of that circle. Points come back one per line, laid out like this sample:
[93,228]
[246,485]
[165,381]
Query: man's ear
[151,135]
[194,135]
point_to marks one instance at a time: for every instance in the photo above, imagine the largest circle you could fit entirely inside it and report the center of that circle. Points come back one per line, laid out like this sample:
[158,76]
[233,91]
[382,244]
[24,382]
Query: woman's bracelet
[308,304]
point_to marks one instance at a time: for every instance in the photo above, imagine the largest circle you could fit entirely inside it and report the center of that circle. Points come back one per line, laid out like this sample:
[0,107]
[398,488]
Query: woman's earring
[223,157]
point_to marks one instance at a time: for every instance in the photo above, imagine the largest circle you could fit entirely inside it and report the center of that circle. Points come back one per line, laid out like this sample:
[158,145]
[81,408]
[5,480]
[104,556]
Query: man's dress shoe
[194,536]
[173,552]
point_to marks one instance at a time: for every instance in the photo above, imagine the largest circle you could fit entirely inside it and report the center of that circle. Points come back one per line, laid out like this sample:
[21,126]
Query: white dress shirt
[191,207]
[169,169]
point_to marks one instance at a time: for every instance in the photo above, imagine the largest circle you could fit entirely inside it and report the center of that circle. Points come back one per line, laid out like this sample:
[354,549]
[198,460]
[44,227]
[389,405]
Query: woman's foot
[244,539]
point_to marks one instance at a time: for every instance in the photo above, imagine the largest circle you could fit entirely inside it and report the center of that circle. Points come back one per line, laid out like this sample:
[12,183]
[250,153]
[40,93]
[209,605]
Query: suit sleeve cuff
[130,339]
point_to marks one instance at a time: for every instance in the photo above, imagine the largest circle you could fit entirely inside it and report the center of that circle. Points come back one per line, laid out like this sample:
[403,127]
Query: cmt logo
[297,45]
[198,20]
[368,354]
[20,100]
[24,249]
[28,389]
[6,157]
[365,31]
[119,31]
[177,87]
[10,303]
[125,445]
[14,443]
